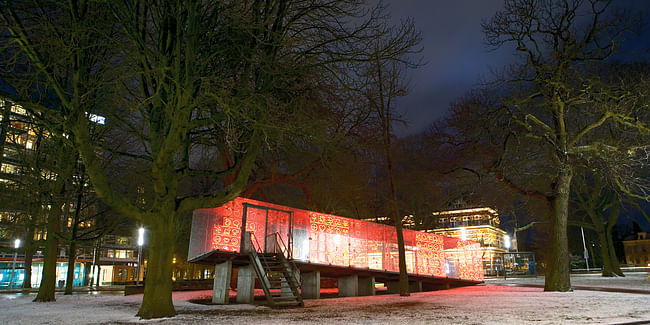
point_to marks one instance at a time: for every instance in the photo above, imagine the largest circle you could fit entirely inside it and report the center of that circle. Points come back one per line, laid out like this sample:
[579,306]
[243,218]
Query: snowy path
[485,304]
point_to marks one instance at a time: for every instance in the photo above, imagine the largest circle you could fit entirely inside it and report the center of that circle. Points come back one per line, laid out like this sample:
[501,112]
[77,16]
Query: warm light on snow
[485,304]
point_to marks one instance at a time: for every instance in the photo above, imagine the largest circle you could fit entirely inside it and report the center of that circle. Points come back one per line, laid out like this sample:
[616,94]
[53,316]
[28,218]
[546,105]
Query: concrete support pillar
[367,286]
[415,286]
[393,286]
[245,245]
[349,286]
[311,285]
[221,289]
[245,284]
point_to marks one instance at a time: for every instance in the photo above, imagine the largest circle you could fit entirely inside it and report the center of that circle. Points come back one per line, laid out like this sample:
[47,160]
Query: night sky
[456,56]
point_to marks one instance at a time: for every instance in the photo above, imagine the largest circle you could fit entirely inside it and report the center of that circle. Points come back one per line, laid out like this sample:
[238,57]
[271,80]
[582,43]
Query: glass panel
[256,223]
[329,239]
[279,222]
[375,245]
[430,254]
[359,244]
[301,235]
[333,240]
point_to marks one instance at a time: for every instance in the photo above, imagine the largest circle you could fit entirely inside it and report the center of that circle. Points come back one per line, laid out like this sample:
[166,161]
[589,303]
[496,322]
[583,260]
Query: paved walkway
[632,282]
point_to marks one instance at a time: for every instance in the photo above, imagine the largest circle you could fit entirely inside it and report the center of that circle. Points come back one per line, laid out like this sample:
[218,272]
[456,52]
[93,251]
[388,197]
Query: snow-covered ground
[491,303]
[632,280]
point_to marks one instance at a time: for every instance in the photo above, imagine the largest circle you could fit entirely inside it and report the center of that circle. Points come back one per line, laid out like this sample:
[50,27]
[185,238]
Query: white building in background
[477,224]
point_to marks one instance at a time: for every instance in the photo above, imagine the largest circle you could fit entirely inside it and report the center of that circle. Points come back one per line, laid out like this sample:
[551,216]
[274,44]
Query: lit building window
[18,110]
[9,169]
[97,118]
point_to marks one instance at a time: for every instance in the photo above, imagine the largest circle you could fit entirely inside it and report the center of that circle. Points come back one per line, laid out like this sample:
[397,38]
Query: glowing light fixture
[140,243]
[506,241]
[17,243]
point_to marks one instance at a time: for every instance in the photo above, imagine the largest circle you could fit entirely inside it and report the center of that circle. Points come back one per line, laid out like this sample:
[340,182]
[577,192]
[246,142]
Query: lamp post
[584,246]
[13,268]
[506,243]
[140,243]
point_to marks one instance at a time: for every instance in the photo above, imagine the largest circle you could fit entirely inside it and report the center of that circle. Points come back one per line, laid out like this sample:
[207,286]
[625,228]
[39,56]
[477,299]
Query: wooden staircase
[276,271]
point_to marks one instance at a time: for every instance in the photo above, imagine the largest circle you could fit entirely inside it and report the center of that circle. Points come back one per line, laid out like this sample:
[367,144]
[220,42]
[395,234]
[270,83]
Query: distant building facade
[477,224]
[637,252]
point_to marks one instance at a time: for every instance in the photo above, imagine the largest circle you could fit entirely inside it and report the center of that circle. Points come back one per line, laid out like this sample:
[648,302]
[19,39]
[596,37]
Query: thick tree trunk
[72,257]
[557,271]
[403,275]
[604,251]
[157,300]
[64,168]
[95,269]
[48,280]
[30,247]
[72,248]
[616,267]
[98,276]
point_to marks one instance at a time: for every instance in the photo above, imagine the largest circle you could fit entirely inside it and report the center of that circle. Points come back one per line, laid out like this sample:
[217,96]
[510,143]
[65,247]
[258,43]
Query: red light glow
[333,240]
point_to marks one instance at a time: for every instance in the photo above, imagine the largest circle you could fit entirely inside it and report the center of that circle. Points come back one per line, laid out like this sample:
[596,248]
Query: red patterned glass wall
[332,240]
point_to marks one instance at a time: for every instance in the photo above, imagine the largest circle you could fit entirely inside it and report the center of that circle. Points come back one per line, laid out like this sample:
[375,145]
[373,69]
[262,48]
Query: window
[18,110]
[40,235]
[121,253]
[9,169]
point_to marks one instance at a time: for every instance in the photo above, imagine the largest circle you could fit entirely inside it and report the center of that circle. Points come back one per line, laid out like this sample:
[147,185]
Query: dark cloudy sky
[457,58]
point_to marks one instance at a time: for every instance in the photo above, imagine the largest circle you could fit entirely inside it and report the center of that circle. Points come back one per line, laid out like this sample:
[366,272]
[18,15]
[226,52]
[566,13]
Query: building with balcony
[476,224]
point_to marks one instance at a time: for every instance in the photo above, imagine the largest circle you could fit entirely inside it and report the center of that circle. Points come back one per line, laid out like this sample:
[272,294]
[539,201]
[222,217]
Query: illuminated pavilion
[291,249]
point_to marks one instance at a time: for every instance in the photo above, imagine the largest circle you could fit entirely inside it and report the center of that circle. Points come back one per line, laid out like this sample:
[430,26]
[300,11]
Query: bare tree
[561,103]
[385,84]
[199,79]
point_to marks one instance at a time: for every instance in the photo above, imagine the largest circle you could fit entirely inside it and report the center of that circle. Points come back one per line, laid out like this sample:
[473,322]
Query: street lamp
[140,243]
[506,242]
[13,268]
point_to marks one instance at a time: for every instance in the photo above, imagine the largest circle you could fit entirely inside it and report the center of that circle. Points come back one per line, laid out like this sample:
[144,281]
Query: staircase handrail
[284,251]
[252,249]
[253,241]
[280,244]
[258,267]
